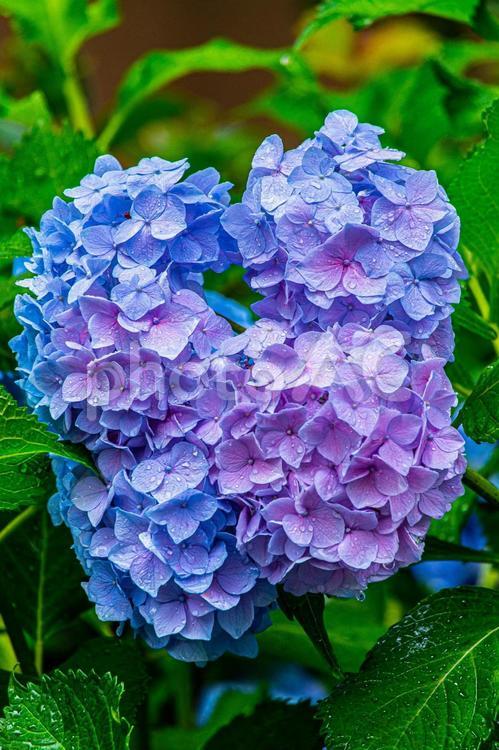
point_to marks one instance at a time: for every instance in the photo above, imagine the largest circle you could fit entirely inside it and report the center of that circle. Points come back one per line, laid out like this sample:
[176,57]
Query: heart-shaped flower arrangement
[311,450]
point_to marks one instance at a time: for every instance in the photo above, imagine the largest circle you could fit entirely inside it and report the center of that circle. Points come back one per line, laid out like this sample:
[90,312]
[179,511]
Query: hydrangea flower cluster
[330,232]
[114,344]
[313,449]
[341,451]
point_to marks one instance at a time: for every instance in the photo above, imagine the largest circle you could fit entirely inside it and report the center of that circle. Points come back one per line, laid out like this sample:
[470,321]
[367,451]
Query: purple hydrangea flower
[339,472]
[350,238]
[407,213]
[243,466]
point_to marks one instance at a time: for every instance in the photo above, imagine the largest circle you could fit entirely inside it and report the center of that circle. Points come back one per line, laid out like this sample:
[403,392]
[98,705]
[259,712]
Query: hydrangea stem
[39,639]
[481,486]
[77,102]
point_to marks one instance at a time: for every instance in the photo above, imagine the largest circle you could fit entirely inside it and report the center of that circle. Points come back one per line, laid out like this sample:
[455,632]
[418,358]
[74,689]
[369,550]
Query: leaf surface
[308,610]
[473,192]
[160,67]
[44,163]
[480,413]
[430,682]
[61,26]
[22,437]
[65,711]
[367,11]
[40,578]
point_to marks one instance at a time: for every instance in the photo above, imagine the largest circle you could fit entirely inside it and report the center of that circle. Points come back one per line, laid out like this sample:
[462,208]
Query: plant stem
[480,298]
[109,133]
[17,521]
[481,486]
[39,642]
[76,101]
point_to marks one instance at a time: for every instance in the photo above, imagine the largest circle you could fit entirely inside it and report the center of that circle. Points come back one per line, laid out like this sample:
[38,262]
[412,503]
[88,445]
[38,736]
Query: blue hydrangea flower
[115,340]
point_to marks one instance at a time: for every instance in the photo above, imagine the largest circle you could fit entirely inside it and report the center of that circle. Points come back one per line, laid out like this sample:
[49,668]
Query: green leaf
[124,659]
[274,724]
[41,577]
[22,436]
[353,627]
[17,245]
[65,712]
[493,741]
[4,686]
[18,115]
[13,625]
[487,26]
[160,67]
[178,738]
[367,11]
[308,610]
[29,111]
[459,375]
[9,327]
[5,680]
[439,549]
[26,482]
[299,103]
[430,682]
[467,98]
[25,474]
[61,26]
[474,194]
[489,520]
[480,413]
[44,163]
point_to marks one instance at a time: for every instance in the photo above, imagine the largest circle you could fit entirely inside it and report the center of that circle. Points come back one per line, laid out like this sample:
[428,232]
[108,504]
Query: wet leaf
[430,682]
[480,413]
[65,711]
